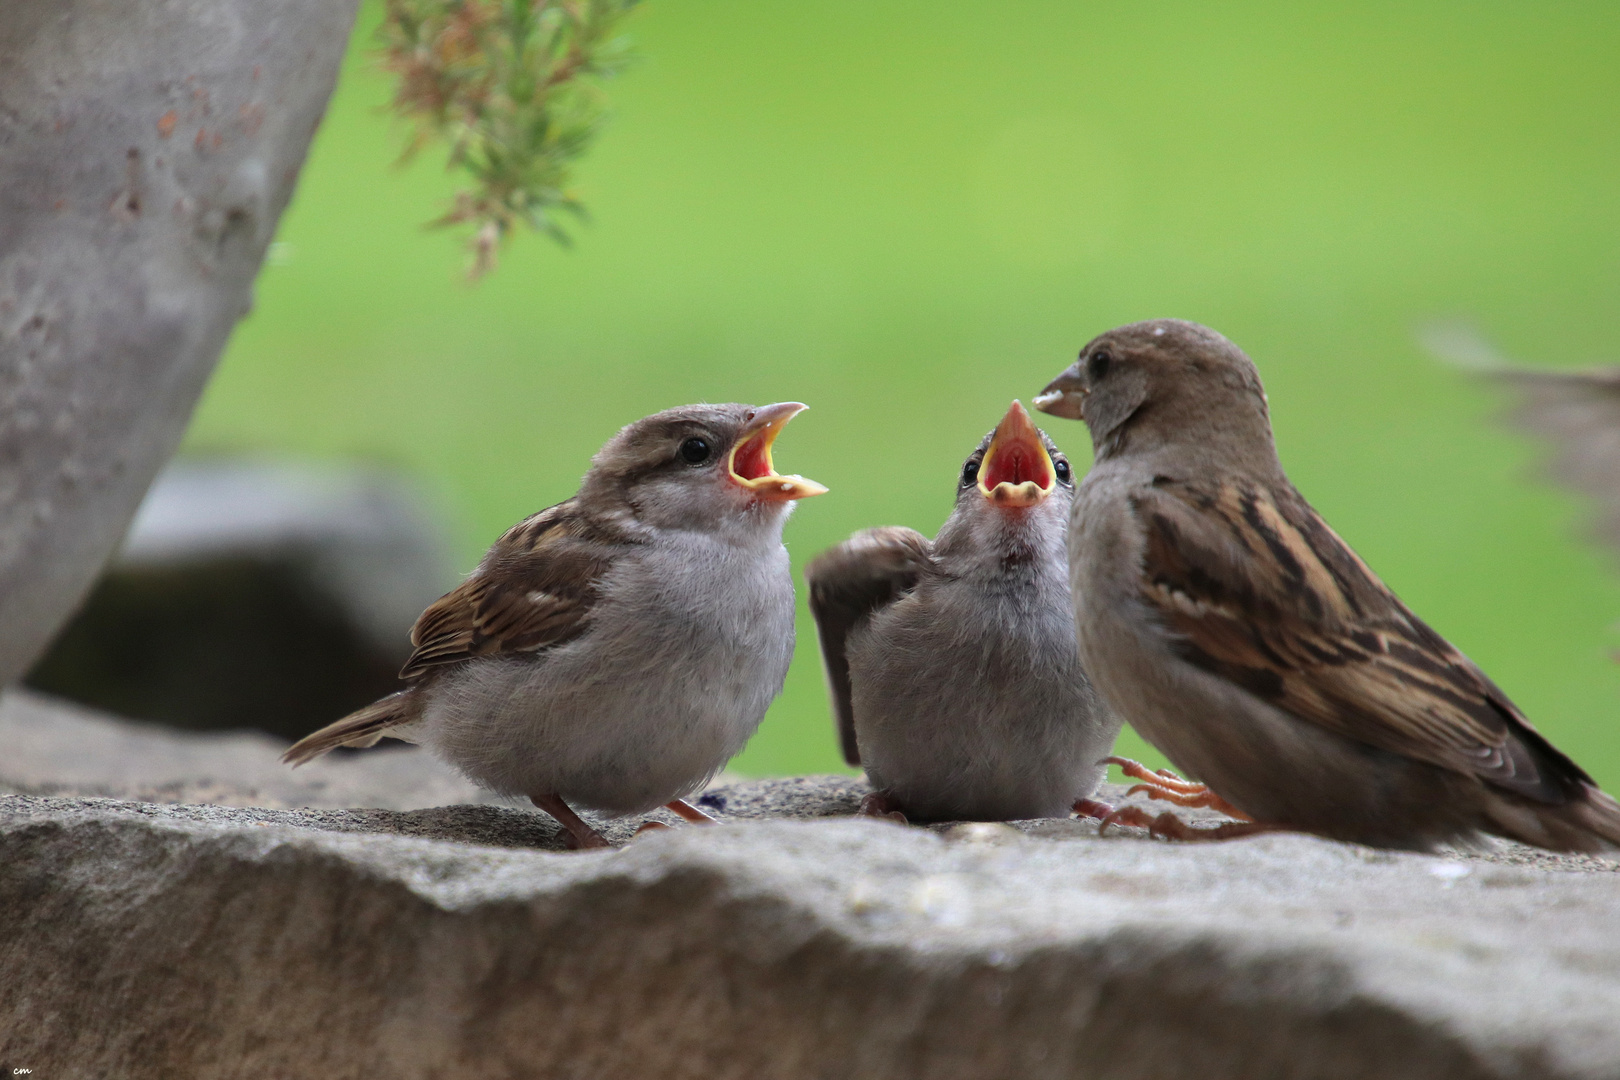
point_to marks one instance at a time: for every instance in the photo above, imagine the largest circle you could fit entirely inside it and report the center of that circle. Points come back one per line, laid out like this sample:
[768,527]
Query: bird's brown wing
[1579,412]
[870,570]
[534,589]
[1256,588]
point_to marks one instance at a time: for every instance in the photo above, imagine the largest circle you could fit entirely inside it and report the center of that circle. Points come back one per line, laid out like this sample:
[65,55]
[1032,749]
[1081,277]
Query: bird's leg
[689,812]
[1168,787]
[880,804]
[1171,827]
[580,835]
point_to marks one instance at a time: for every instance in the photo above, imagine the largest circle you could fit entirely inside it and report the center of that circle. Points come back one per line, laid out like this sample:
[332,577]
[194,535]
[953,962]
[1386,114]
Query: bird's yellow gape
[750,462]
[1016,471]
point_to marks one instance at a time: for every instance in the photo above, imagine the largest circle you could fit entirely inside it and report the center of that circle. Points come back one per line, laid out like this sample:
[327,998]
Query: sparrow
[951,662]
[615,650]
[1225,621]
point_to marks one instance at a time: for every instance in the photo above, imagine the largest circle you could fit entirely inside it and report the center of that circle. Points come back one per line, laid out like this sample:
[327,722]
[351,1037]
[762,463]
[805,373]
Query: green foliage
[513,86]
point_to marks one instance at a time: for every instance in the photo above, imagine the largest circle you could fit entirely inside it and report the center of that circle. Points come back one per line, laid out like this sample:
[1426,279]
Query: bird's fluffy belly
[1000,727]
[644,708]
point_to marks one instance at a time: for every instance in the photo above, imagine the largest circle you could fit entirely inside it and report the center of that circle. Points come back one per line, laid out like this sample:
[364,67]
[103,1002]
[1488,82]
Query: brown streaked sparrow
[615,650]
[951,662]
[1224,620]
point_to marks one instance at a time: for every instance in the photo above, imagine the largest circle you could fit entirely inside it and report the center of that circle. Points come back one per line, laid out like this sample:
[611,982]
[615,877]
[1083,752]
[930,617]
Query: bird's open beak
[1016,471]
[1065,395]
[750,462]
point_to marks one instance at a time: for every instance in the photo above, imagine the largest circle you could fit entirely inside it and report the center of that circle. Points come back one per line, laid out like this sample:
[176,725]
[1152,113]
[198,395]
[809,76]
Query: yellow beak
[750,461]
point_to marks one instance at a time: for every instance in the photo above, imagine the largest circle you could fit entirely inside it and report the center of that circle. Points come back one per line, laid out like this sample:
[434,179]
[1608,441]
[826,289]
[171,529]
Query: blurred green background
[907,214]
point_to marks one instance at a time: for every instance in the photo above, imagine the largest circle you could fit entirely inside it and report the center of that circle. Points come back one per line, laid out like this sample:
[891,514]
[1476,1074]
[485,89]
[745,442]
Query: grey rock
[310,938]
[209,941]
[366,535]
[269,595]
[52,746]
[146,153]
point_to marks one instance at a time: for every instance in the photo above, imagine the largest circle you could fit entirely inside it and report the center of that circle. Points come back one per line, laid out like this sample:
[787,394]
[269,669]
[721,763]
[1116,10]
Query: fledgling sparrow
[1224,620]
[951,661]
[615,650]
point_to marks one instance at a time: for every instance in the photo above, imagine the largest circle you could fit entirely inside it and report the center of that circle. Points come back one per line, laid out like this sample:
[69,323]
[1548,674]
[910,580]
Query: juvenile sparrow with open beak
[615,650]
[1238,634]
[951,662]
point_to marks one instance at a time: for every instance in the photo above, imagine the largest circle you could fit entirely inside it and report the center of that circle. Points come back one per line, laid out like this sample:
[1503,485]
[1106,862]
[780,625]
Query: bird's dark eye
[970,472]
[696,451]
[1098,365]
[1061,467]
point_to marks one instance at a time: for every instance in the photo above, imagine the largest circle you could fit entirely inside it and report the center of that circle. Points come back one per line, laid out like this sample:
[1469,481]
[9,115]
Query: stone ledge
[282,932]
[221,941]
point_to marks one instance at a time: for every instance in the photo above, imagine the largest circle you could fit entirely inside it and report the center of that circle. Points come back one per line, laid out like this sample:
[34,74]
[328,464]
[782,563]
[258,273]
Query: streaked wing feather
[848,583]
[1255,587]
[535,589]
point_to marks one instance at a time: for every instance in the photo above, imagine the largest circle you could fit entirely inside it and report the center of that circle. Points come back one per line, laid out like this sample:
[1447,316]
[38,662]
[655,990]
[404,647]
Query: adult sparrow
[615,650]
[1225,621]
[951,661]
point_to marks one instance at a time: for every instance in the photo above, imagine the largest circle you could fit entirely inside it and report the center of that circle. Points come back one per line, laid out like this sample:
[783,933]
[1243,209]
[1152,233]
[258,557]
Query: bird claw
[1166,786]
[878,804]
[1170,827]
[577,833]
[1135,817]
[685,810]
[682,809]
[1091,808]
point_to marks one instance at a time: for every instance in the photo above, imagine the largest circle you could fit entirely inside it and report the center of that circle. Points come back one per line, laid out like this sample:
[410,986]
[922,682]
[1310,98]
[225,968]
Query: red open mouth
[1017,463]
[753,457]
[1016,471]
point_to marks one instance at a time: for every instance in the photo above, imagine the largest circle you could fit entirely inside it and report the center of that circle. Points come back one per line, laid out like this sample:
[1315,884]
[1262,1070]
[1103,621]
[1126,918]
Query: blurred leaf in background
[906,214]
[512,87]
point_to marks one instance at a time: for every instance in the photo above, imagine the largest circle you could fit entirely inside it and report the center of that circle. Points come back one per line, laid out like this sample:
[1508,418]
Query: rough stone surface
[52,747]
[313,939]
[294,934]
[146,153]
[162,941]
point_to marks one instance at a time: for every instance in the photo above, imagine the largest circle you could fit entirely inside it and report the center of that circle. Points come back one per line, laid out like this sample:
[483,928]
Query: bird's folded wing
[535,589]
[848,583]
[1256,588]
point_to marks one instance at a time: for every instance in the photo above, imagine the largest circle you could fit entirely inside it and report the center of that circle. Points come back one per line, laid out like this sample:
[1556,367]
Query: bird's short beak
[1065,395]
[750,462]
[1016,471]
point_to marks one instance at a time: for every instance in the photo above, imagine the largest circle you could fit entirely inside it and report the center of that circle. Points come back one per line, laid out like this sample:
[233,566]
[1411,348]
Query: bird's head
[1015,480]
[700,467]
[1162,382]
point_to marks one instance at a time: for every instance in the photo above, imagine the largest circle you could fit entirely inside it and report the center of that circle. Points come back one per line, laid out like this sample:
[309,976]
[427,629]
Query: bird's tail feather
[363,727]
[1599,815]
[1590,823]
